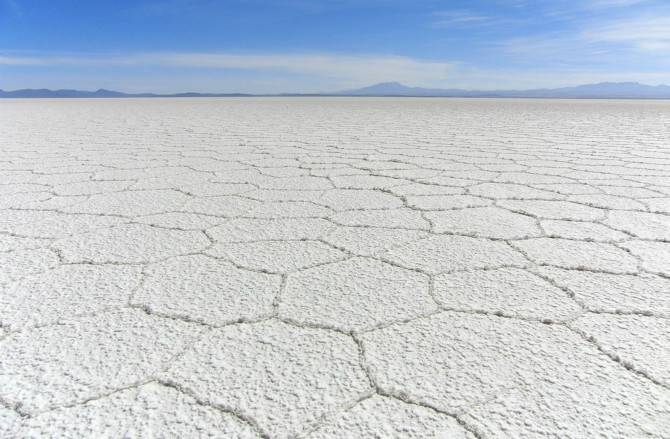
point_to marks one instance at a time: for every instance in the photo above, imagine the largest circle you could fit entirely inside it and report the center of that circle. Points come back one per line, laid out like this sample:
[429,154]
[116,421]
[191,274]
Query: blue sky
[263,46]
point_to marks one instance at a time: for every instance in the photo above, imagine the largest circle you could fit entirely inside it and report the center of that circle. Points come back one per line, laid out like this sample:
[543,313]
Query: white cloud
[458,18]
[602,4]
[348,68]
[646,33]
[622,36]
[21,61]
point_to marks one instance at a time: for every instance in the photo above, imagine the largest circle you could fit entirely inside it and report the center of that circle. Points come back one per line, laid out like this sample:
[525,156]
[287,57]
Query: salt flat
[333,267]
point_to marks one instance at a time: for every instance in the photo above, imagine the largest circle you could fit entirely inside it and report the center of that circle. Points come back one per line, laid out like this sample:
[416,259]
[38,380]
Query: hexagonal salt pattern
[132,243]
[654,256]
[613,293]
[131,203]
[438,254]
[66,291]
[566,253]
[505,291]
[634,339]
[150,410]
[381,416]
[334,268]
[282,376]
[276,256]
[499,376]
[203,289]
[20,263]
[488,222]
[356,294]
[83,358]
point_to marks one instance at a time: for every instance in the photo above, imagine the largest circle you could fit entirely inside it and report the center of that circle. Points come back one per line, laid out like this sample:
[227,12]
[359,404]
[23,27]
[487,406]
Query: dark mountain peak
[382,88]
[389,84]
[103,93]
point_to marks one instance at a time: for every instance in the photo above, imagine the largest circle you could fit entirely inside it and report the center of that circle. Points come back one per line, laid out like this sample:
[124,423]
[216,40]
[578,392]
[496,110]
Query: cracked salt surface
[334,268]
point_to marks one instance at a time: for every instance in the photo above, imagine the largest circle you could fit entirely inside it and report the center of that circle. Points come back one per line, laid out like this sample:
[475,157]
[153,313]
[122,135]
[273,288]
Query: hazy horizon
[607,90]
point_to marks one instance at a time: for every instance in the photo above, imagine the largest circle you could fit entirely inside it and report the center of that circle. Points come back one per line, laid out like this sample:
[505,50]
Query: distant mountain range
[102,93]
[603,90]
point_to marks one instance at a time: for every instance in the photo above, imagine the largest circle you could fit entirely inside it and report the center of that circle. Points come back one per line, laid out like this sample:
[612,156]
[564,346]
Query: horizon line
[377,89]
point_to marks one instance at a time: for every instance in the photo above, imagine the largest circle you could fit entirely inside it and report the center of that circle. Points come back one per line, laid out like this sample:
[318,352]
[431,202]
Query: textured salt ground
[334,268]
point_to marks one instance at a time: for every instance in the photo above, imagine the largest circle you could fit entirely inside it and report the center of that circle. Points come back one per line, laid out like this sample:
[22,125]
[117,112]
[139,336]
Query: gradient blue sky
[261,46]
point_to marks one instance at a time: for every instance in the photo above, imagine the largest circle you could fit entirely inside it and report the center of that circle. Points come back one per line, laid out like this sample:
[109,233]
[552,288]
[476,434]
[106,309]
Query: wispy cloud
[458,18]
[608,4]
[167,7]
[16,61]
[348,68]
[645,33]
[601,33]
